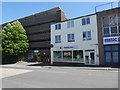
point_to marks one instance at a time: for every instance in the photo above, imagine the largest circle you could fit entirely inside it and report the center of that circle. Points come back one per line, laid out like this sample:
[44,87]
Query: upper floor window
[85,21]
[113,20]
[119,19]
[71,37]
[110,25]
[58,39]
[70,24]
[87,35]
[57,26]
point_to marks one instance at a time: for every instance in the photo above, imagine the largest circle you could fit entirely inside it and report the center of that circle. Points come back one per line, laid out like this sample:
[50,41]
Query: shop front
[111,50]
[73,55]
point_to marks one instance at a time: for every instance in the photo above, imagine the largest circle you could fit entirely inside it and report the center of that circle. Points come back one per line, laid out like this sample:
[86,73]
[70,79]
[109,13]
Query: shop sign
[111,40]
[68,47]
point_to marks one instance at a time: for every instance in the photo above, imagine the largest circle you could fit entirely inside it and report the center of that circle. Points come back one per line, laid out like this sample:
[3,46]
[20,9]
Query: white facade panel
[79,43]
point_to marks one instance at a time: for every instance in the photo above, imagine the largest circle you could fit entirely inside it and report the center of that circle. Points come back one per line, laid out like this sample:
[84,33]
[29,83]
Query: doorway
[90,57]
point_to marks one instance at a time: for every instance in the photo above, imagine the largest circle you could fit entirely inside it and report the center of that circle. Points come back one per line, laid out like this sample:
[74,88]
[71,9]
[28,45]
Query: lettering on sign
[68,47]
[111,40]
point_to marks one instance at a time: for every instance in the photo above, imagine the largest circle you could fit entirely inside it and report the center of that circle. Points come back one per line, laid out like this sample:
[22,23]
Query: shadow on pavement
[71,65]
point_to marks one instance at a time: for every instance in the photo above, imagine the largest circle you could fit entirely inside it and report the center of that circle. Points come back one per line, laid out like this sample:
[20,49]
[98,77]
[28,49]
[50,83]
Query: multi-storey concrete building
[75,41]
[37,27]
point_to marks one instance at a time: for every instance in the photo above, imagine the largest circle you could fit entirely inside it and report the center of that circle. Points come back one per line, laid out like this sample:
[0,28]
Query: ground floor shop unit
[87,57]
[111,51]
[112,54]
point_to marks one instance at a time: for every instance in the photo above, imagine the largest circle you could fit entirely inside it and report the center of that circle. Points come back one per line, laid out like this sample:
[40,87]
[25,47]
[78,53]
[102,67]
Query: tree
[14,39]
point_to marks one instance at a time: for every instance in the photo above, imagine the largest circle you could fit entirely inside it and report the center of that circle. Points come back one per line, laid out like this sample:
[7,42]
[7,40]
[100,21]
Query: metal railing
[107,6]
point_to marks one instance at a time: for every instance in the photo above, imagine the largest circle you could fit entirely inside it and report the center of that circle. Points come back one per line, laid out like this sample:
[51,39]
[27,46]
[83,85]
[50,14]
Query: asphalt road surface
[58,78]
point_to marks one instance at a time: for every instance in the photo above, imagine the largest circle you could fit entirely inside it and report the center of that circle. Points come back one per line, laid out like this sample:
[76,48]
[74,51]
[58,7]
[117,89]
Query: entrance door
[89,57]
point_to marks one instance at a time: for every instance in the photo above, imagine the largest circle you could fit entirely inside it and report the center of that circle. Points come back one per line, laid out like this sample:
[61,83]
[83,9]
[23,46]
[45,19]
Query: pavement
[39,65]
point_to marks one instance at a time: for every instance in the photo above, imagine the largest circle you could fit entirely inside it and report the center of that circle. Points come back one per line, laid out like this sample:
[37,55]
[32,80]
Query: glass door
[89,57]
[92,58]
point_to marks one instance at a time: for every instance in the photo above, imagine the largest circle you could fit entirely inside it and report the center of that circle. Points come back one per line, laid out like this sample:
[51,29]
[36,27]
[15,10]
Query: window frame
[110,26]
[58,26]
[86,21]
[70,24]
[86,35]
[57,38]
[71,37]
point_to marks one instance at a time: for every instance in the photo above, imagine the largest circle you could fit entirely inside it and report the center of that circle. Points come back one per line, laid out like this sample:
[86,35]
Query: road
[40,77]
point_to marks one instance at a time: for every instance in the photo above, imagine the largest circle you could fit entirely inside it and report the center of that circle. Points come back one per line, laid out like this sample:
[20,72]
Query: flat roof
[88,15]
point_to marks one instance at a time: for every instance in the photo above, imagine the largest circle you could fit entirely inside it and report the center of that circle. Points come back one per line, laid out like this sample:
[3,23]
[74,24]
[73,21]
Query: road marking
[101,70]
[7,72]
[53,71]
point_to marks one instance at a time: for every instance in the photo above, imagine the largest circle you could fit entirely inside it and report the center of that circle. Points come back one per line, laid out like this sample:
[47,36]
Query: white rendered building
[75,41]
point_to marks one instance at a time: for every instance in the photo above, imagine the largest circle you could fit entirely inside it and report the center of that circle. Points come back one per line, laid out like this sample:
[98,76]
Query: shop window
[78,55]
[57,55]
[108,57]
[67,55]
[107,48]
[71,38]
[115,57]
[115,47]
[70,24]
[87,35]
[58,39]
[57,26]
[85,21]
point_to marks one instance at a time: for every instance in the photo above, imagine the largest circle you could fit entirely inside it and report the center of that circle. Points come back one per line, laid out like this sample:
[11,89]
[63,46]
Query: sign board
[111,40]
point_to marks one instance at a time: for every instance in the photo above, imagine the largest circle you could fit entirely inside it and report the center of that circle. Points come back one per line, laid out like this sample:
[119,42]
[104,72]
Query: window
[113,30]
[78,55]
[71,38]
[119,19]
[67,55]
[70,24]
[119,30]
[110,25]
[113,20]
[85,21]
[107,48]
[58,39]
[87,35]
[88,20]
[115,56]
[115,47]
[108,57]
[57,26]
[105,21]
[106,31]
[57,55]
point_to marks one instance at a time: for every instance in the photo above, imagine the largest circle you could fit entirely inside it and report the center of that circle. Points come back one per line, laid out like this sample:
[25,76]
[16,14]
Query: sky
[15,10]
